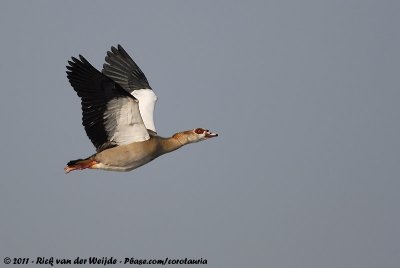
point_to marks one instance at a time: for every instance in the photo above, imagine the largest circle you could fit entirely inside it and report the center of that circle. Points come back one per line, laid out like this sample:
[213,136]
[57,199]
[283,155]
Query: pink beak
[210,134]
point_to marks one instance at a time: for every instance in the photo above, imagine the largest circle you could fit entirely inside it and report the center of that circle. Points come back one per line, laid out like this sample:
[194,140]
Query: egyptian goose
[117,113]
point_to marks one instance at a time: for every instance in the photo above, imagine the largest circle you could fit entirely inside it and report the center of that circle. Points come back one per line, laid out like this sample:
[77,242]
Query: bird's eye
[199,130]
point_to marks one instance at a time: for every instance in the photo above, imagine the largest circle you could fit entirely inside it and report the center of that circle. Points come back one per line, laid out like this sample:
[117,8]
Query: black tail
[80,164]
[73,162]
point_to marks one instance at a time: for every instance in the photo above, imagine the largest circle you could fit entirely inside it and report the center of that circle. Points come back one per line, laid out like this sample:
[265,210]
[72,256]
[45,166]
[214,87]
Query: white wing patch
[123,122]
[147,100]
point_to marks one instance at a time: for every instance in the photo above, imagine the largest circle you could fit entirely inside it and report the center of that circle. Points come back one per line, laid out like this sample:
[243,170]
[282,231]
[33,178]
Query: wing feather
[121,68]
[110,114]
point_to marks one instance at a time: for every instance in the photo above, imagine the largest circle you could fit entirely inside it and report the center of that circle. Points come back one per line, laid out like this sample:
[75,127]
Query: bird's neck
[174,142]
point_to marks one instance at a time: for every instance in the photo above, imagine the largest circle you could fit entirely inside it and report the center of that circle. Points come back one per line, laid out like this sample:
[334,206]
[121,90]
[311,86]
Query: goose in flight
[117,113]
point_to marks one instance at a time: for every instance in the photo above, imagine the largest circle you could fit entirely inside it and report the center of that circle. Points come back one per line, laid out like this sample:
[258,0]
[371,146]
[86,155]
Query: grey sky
[305,97]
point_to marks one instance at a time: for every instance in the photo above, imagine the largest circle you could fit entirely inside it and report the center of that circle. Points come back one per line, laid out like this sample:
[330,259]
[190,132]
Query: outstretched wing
[110,115]
[124,71]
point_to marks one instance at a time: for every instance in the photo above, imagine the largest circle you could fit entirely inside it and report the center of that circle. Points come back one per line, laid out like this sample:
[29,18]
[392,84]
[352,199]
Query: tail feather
[79,164]
[73,162]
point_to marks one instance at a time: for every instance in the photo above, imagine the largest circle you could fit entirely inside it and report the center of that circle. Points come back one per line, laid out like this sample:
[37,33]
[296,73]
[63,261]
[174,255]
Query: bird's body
[133,155]
[130,156]
[117,109]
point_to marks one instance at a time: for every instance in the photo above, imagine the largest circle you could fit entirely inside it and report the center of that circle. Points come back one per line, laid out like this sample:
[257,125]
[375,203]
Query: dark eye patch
[199,130]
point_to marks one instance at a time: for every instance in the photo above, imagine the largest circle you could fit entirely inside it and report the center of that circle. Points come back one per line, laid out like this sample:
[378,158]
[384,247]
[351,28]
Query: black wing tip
[118,50]
[75,61]
[79,64]
[114,50]
[121,49]
[83,60]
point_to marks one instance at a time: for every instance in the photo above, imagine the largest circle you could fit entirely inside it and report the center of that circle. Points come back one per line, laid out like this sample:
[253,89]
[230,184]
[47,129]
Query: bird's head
[195,135]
